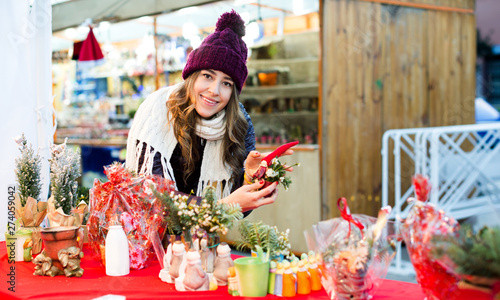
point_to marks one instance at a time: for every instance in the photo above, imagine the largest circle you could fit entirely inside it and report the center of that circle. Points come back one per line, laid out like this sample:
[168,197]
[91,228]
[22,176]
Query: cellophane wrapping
[127,200]
[353,266]
[425,222]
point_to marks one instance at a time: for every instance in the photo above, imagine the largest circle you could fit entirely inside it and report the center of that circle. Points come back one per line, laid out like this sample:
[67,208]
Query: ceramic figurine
[272,277]
[70,260]
[288,289]
[305,258]
[203,242]
[278,283]
[303,279]
[166,263]
[195,278]
[319,263]
[295,268]
[27,249]
[43,266]
[232,282]
[315,274]
[222,262]
[176,262]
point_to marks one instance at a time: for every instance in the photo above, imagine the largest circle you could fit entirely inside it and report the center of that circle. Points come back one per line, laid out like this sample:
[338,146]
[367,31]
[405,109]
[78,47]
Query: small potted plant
[64,232]
[64,171]
[30,210]
[259,237]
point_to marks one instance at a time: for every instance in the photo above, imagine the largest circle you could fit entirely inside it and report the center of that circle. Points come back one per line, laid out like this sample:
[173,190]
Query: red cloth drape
[139,284]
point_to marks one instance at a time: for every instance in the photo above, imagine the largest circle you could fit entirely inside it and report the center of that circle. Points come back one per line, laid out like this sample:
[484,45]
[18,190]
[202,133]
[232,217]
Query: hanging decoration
[90,54]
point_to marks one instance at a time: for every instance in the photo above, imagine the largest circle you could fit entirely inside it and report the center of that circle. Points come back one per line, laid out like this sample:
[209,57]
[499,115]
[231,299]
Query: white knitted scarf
[150,129]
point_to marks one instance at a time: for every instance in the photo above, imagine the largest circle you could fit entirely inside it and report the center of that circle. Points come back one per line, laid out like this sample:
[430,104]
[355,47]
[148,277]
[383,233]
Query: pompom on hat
[223,50]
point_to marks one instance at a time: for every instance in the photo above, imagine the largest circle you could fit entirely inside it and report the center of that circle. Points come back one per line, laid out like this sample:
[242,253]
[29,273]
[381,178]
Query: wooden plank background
[387,67]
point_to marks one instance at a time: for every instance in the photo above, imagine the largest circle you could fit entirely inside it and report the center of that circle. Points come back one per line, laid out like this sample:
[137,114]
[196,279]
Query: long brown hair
[183,116]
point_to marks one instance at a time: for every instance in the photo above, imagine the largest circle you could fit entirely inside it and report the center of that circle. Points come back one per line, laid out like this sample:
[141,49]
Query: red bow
[345,213]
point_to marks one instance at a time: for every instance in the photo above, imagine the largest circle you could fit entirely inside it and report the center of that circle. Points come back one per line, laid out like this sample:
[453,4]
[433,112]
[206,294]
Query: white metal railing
[462,163]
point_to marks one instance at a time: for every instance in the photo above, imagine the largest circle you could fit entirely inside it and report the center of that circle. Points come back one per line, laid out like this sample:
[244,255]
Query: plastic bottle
[117,252]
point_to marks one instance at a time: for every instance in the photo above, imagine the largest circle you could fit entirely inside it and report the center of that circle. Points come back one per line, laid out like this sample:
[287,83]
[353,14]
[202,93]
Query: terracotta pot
[57,238]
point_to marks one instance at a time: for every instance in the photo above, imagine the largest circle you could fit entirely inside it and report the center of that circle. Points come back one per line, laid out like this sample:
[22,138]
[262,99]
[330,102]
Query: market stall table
[139,284]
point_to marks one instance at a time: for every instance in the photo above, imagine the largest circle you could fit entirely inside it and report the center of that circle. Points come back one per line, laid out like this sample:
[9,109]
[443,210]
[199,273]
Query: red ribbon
[345,213]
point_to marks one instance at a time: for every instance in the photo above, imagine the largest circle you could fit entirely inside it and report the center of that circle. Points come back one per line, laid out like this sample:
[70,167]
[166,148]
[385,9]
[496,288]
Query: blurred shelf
[114,142]
[265,93]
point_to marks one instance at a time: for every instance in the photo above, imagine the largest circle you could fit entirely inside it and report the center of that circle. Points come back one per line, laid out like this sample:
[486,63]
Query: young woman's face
[212,90]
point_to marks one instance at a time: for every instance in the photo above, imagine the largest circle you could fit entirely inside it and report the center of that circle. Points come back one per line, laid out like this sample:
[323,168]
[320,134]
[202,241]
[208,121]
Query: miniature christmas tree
[64,170]
[28,167]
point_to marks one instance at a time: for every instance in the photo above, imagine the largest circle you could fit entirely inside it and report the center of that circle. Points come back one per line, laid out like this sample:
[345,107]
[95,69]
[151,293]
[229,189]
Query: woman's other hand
[251,196]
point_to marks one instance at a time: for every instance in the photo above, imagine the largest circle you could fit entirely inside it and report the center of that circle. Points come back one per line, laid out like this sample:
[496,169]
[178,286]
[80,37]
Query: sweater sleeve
[250,136]
[249,145]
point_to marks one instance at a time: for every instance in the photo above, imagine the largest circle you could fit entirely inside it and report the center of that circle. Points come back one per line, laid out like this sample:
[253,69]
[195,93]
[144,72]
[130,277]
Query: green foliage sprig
[473,254]
[28,167]
[269,238]
[64,171]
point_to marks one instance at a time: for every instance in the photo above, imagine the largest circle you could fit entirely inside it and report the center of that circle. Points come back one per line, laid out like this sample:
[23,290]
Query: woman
[196,133]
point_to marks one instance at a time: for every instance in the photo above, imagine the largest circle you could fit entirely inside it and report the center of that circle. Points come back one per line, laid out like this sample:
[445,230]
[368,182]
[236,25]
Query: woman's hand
[250,196]
[254,161]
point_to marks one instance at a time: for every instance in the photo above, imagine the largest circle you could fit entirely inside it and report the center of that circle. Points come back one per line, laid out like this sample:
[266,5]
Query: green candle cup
[253,276]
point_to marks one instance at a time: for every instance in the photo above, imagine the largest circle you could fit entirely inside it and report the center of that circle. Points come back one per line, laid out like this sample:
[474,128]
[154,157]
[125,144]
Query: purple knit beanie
[223,50]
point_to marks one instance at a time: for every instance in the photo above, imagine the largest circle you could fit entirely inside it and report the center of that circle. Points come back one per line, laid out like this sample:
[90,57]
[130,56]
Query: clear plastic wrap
[128,201]
[355,250]
[425,222]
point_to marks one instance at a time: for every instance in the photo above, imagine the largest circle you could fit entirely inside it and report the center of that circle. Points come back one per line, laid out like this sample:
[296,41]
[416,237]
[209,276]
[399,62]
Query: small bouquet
[207,213]
[272,170]
[276,172]
[127,200]
[206,216]
[424,223]
[355,258]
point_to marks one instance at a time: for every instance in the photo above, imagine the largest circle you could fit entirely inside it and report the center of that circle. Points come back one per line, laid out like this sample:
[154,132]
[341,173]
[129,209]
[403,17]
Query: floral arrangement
[212,215]
[255,235]
[28,167]
[276,172]
[272,170]
[207,213]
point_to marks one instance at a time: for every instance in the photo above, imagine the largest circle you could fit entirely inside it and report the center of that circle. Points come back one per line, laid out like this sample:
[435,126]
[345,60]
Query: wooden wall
[384,67]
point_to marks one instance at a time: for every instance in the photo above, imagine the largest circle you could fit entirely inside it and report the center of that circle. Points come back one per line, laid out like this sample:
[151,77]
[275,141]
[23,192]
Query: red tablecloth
[141,284]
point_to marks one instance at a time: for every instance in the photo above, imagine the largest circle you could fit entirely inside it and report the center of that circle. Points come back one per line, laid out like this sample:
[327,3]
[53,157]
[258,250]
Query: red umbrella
[90,53]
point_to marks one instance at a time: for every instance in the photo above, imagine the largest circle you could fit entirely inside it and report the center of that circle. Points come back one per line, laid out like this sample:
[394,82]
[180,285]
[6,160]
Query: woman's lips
[209,101]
